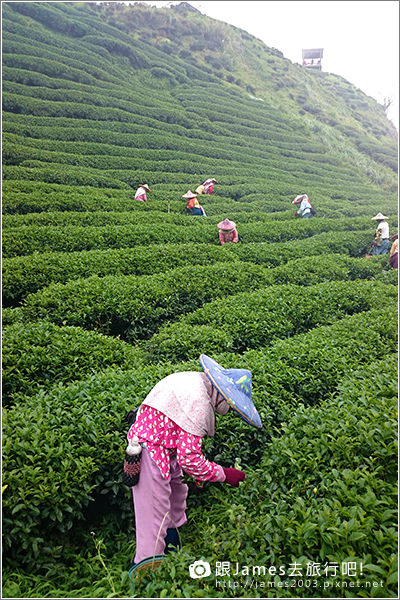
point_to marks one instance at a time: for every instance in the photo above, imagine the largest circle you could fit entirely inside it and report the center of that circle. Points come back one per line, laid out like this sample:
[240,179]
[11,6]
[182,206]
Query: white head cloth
[190,400]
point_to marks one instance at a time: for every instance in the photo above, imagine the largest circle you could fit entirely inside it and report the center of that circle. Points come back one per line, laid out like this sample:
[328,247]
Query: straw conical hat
[189,194]
[226,225]
[379,217]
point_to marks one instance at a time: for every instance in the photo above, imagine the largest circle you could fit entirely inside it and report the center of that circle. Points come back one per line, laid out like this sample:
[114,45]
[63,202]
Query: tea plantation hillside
[104,295]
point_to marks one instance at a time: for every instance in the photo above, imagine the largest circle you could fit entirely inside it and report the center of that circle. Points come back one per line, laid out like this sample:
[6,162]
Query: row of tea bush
[79,450]
[134,307]
[258,319]
[70,238]
[22,197]
[42,354]
[23,275]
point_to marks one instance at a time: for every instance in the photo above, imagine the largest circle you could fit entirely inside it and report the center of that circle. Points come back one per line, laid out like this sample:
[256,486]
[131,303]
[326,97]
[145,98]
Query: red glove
[233,476]
[295,214]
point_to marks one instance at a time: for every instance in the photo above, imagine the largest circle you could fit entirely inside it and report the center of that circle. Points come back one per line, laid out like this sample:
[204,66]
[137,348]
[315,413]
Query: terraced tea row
[134,308]
[287,375]
[258,319]
[42,354]
[24,275]
[104,296]
[23,197]
[72,238]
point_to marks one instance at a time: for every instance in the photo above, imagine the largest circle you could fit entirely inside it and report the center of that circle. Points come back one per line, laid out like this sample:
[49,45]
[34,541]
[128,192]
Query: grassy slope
[141,84]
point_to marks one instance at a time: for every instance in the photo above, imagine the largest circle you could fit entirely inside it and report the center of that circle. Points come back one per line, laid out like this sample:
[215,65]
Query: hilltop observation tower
[312,58]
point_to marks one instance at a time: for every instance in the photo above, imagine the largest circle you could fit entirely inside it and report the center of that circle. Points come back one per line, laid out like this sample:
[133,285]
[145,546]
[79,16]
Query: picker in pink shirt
[227,232]
[170,424]
[206,187]
[141,192]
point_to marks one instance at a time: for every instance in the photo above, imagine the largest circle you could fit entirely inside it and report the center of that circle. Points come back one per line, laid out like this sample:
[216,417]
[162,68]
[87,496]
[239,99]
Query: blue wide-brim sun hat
[235,386]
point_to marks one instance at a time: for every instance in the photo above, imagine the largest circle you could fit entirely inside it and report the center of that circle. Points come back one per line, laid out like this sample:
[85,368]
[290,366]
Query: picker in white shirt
[304,209]
[141,192]
[381,236]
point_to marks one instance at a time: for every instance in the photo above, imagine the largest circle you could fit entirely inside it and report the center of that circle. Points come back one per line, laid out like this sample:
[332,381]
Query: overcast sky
[360,38]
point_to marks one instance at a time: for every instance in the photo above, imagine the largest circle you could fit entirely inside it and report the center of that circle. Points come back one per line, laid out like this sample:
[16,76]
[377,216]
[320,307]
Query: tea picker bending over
[394,252]
[193,204]
[171,422]
[227,232]
[206,187]
[141,192]
[305,209]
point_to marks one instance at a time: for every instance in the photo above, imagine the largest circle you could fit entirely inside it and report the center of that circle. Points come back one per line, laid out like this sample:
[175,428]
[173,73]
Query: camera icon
[199,568]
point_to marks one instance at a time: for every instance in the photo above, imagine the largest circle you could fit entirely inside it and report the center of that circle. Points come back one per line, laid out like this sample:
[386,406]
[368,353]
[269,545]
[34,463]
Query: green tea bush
[86,153]
[27,274]
[98,218]
[42,354]
[19,148]
[78,430]
[114,137]
[51,17]
[81,139]
[26,197]
[314,269]
[160,200]
[178,342]
[52,68]
[313,364]
[24,275]
[391,276]
[16,103]
[85,577]
[64,175]
[10,316]
[135,307]
[306,368]
[351,243]
[256,320]
[74,238]
[26,156]
[18,52]
[99,98]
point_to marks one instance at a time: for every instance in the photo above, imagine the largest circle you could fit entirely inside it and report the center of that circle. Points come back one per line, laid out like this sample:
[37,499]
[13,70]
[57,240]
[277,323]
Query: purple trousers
[159,504]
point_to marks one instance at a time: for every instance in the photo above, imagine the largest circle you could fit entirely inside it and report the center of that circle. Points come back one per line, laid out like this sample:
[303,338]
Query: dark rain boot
[172,540]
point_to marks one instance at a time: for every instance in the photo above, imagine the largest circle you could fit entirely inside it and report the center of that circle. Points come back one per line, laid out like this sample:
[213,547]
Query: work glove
[233,476]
